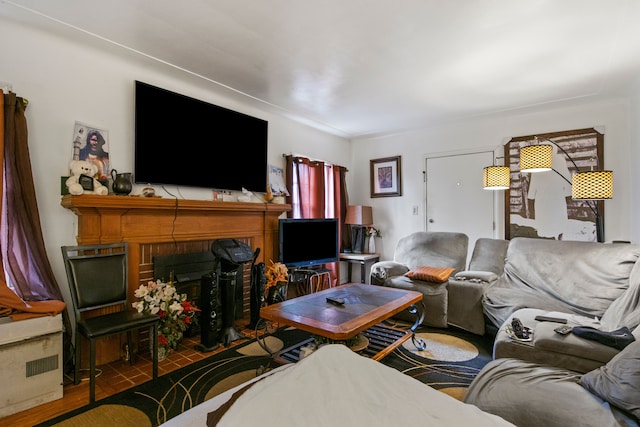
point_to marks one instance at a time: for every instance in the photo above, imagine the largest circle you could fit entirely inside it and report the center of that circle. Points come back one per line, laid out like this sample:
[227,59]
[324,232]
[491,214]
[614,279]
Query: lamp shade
[592,185]
[359,215]
[496,177]
[536,158]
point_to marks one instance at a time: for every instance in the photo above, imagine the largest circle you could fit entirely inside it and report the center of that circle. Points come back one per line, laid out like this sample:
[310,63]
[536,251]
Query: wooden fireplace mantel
[141,220]
[148,222]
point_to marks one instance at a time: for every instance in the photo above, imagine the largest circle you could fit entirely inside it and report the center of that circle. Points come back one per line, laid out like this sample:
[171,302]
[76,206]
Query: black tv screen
[188,142]
[308,242]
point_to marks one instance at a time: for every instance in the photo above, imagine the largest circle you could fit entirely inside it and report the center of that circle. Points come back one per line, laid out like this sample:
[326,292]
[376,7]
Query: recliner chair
[424,249]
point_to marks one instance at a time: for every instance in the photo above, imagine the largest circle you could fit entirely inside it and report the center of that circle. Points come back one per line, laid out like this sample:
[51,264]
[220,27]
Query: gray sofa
[466,288]
[432,249]
[589,284]
[529,394]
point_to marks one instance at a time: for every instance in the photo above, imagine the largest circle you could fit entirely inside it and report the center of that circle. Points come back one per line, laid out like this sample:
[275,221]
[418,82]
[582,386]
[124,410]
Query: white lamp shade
[536,158]
[592,185]
[496,177]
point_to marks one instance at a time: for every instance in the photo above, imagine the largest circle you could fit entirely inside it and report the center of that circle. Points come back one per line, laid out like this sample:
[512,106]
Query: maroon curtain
[307,182]
[341,203]
[307,198]
[21,243]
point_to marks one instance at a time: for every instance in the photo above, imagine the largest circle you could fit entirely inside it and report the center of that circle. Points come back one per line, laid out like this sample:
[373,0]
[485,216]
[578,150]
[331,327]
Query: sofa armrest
[476,276]
[381,271]
[545,338]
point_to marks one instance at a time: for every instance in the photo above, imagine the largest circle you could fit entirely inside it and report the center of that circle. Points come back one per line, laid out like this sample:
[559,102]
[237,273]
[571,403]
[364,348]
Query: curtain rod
[315,160]
[6,86]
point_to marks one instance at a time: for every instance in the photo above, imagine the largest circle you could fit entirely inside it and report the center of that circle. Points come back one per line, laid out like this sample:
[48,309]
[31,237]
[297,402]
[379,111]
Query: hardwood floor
[116,377]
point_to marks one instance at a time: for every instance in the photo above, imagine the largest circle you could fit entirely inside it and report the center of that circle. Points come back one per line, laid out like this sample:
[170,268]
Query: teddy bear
[82,179]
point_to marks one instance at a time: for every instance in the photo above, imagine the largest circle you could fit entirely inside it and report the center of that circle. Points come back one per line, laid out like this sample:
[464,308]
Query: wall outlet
[415,210]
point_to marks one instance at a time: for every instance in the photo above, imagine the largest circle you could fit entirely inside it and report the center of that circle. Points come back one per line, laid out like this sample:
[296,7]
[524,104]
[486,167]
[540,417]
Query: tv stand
[310,280]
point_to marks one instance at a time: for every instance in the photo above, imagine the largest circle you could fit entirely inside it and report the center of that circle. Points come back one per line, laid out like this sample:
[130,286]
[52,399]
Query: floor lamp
[358,217]
[585,185]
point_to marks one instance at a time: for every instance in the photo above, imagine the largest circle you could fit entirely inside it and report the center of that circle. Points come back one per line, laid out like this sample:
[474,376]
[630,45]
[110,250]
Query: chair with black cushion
[97,277]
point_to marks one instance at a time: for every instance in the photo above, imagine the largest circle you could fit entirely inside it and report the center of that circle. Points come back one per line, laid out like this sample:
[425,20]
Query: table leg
[262,338]
[349,271]
[363,269]
[418,342]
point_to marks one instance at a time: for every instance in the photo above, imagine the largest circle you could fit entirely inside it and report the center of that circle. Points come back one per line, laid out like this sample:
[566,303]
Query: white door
[455,199]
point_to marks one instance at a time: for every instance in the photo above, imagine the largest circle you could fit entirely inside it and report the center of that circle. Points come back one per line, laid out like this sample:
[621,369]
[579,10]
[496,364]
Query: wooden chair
[97,276]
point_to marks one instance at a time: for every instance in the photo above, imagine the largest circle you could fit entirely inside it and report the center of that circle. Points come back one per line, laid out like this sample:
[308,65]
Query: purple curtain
[21,243]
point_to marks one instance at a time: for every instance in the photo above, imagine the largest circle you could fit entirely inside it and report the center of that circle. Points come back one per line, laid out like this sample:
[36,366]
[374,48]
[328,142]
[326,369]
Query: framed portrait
[386,177]
[92,144]
[539,204]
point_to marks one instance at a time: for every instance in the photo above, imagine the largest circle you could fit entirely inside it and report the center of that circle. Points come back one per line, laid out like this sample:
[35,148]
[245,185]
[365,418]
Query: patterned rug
[449,363]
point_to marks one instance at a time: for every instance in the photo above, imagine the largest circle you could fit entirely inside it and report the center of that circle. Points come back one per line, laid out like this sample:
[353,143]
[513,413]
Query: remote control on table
[335,300]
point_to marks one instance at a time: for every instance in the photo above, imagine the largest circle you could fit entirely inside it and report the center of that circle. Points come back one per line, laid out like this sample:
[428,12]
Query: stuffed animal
[82,179]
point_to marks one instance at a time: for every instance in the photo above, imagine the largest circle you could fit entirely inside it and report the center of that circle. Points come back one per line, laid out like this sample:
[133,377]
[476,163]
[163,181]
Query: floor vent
[40,366]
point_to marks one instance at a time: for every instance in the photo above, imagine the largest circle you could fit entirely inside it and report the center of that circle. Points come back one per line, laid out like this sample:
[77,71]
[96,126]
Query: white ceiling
[369,67]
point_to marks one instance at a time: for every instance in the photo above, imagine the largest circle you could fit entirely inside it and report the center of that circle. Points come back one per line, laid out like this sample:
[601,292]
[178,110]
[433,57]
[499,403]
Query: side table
[362,259]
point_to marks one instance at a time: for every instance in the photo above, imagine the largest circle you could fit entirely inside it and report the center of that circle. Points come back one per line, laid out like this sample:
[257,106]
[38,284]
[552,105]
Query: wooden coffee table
[365,306]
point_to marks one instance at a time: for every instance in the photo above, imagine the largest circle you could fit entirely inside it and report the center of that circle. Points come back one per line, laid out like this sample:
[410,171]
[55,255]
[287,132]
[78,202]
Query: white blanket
[335,386]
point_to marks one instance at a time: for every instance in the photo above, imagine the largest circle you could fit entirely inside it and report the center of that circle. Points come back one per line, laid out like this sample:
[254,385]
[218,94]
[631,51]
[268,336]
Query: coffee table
[365,306]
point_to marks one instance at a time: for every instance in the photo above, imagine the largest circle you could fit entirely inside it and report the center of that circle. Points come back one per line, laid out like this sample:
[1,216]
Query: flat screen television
[308,242]
[184,141]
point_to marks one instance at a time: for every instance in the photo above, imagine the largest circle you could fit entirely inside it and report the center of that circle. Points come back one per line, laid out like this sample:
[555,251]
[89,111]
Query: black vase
[121,183]
[276,293]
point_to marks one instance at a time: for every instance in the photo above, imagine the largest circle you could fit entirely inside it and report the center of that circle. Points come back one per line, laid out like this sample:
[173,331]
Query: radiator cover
[30,363]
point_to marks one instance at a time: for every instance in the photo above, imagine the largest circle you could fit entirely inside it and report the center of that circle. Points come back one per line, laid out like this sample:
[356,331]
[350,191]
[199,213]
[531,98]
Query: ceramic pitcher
[121,182]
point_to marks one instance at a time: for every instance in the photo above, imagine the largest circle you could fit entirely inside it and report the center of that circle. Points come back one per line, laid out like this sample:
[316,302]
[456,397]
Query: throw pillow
[618,382]
[431,274]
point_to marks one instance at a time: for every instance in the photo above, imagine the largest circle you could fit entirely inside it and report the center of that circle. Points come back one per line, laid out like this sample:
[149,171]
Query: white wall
[68,77]
[634,173]
[394,214]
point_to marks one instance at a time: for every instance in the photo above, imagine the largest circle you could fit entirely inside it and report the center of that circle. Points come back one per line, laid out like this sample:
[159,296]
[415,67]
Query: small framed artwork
[386,177]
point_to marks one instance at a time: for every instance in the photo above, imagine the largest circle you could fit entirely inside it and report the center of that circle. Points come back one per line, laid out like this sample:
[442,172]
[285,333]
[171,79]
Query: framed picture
[92,144]
[386,177]
[539,204]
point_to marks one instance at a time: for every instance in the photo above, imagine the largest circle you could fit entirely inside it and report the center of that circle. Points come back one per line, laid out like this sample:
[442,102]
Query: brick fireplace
[159,226]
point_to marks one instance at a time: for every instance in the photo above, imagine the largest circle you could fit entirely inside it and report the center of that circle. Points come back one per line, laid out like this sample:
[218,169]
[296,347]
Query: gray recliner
[430,249]
[466,288]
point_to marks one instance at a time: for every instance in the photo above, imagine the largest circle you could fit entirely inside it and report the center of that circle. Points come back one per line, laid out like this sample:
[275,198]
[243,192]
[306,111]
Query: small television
[184,141]
[308,242]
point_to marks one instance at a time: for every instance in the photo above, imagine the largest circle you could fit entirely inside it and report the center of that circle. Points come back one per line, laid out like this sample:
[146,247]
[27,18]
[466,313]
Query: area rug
[451,360]
[153,403]
[449,363]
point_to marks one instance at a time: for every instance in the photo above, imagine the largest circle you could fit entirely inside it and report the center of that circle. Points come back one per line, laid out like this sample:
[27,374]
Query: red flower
[162,340]
[186,305]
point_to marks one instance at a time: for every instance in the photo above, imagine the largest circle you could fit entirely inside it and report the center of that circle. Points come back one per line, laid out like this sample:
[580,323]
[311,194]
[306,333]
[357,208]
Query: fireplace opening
[186,270]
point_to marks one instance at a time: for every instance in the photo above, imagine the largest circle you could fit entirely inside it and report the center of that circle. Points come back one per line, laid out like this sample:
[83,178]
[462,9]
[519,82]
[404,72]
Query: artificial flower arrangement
[373,232]
[276,273]
[175,312]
